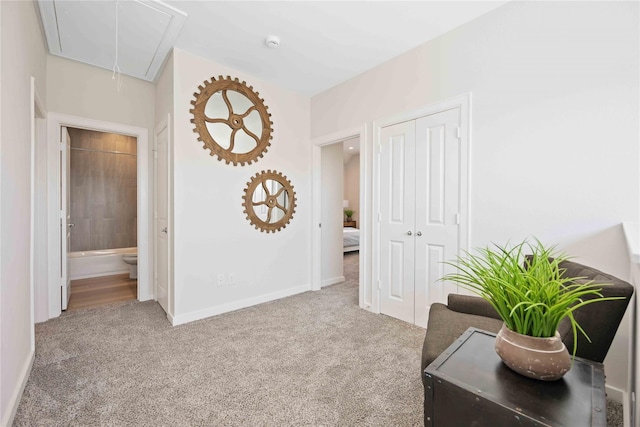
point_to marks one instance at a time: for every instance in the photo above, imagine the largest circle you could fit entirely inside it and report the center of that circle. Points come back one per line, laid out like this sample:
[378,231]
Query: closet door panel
[437,206]
[397,219]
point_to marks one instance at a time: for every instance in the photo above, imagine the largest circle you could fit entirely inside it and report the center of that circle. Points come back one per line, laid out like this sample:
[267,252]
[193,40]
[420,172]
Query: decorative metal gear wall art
[269,201]
[231,120]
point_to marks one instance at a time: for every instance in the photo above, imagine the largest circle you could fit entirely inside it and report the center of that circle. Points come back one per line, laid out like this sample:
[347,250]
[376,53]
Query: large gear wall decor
[269,201]
[226,147]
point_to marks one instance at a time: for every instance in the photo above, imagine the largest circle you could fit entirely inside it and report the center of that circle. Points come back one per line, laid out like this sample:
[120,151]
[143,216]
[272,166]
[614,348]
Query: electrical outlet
[220,279]
[232,279]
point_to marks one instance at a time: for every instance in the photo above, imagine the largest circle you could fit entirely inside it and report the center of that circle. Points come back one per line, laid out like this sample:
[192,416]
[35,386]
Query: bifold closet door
[397,220]
[419,163]
[437,206]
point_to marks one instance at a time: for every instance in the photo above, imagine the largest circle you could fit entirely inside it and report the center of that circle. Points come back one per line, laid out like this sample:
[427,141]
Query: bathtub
[105,262]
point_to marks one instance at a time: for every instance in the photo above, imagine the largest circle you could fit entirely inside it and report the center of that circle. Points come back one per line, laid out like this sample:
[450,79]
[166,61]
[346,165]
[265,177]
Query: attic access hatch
[85,31]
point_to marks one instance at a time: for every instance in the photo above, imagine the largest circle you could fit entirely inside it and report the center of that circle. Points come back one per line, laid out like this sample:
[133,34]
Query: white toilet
[132,260]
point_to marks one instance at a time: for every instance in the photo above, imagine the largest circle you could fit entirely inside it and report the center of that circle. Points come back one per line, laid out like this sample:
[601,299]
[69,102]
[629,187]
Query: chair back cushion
[599,320]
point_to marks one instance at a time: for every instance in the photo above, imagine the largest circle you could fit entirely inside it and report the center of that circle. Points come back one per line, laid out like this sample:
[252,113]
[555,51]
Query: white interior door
[397,220]
[419,165]
[162,217]
[65,216]
[437,207]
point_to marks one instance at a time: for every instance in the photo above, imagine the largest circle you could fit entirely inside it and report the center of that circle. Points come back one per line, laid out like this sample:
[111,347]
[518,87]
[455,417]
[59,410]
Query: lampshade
[345,203]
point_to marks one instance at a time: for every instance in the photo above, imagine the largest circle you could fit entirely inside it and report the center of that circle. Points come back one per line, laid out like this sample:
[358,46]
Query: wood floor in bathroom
[97,291]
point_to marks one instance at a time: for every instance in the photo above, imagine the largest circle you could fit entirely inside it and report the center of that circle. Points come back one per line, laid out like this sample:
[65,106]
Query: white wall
[164,91]
[554,142]
[83,90]
[632,237]
[22,56]
[41,261]
[89,92]
[331,268]
[352,185]
[211,233]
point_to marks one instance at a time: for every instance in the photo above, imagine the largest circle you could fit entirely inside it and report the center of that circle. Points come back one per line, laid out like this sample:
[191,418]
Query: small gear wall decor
[231,120]
[269,201]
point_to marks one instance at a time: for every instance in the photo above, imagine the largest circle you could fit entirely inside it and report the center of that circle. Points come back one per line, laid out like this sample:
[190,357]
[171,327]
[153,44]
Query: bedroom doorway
[331,215]
[319,184]
[351,209]
[340,211]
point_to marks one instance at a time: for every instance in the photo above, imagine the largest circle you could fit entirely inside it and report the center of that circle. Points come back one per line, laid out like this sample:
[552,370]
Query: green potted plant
[349,214]
[532,296]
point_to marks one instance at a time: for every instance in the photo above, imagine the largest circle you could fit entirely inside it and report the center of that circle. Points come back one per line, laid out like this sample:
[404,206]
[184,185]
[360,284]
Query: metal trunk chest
[468,385]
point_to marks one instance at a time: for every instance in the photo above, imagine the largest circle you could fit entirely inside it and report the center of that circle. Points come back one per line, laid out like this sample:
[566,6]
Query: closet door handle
[409,233]
[419,233]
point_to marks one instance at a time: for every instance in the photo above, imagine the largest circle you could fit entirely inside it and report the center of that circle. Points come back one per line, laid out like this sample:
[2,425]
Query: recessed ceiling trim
[50,26]
[166,44]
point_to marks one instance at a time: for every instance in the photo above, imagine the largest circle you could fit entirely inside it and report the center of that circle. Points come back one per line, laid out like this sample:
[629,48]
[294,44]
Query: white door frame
[365,217]
[37,275]
[464,103]
[54,122]
[65,201]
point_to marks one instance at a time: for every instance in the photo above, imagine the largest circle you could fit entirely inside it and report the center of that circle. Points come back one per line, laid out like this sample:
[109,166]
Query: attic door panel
[140,31]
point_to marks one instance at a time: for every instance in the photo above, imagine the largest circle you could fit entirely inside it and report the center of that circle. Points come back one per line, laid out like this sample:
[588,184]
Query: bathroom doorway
[102,217]
[99,220]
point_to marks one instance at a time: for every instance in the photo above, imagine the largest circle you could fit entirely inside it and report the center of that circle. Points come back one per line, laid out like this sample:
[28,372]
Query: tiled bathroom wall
[103,190]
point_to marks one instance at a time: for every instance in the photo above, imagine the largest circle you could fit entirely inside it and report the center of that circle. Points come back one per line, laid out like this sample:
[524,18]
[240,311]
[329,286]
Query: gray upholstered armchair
[600,320]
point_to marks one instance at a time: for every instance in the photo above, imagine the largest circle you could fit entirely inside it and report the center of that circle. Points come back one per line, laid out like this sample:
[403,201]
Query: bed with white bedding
[351,239]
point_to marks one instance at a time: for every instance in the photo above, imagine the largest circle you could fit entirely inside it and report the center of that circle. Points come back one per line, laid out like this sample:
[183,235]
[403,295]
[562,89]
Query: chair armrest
[471,305]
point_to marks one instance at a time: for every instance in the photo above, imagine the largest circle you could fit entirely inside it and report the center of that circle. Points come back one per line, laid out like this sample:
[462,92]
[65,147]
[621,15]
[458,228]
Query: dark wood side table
[350,224]
[468,385]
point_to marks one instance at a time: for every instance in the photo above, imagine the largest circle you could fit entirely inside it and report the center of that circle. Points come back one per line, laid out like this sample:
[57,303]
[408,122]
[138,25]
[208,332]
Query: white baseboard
[171,319]
[12,407]
[615,393]
[236,305]
[144,295]
[98,274]
[622,397]
[333,281]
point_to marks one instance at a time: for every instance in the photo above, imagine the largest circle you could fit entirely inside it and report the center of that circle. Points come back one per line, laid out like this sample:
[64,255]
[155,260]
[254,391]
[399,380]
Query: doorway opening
[351,209]
[102,199]
[340,201]
[105,241]
[333,212]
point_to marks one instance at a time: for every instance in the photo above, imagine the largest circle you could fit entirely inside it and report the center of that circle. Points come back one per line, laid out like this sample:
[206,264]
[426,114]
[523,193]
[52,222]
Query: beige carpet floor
[311,359]
[314,359]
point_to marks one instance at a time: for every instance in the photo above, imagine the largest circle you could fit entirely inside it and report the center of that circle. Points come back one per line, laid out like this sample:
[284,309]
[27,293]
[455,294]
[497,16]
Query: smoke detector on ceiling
[273,42]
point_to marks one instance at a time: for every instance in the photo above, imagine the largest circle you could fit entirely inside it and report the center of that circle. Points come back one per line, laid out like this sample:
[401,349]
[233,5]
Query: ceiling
[323,43]
[350,148]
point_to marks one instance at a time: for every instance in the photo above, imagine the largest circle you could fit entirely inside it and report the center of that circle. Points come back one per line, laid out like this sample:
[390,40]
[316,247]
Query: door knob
[409,233]
[419,233]
[164,230]
[71,225]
